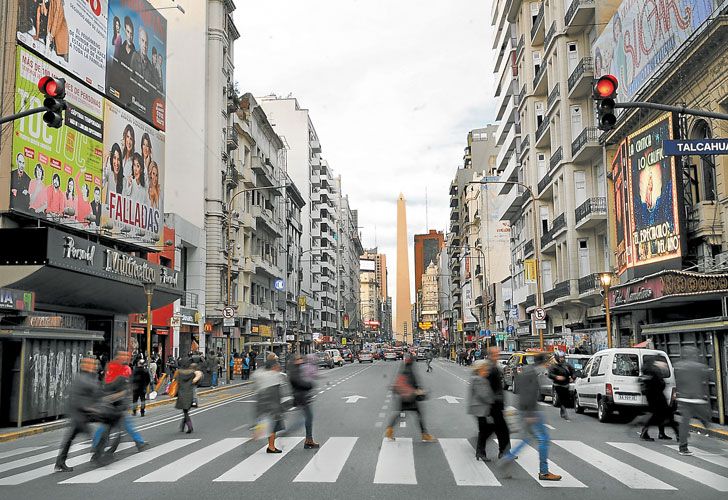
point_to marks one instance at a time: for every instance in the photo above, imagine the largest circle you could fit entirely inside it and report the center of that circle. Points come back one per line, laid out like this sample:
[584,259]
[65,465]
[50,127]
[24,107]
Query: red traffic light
[606,87]
[52,87]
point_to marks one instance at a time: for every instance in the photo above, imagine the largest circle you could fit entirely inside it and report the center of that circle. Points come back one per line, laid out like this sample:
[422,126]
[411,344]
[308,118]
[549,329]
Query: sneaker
[389,433]
[142,446]
[62,468]
[549,476]
[428,438]
[685,452]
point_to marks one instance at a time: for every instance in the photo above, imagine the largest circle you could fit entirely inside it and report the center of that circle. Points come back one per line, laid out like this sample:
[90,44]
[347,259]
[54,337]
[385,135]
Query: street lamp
[606,281]
[149,292]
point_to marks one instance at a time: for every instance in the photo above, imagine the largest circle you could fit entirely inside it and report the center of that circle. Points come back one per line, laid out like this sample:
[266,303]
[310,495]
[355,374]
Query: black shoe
[62,467]
[142,413]
[275,450]
[189,430]
[481,456]
[665,437]
[646,437]
[142,446]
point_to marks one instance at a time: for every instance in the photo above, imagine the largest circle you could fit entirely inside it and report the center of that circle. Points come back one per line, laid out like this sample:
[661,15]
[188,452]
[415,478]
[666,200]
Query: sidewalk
[13,433]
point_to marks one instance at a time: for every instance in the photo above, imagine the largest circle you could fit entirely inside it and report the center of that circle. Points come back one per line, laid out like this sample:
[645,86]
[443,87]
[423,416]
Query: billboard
[68,33]
[133,177]
[653,196]
[641,36]
[56,173]
[623,251]
[136,59]
[367,265]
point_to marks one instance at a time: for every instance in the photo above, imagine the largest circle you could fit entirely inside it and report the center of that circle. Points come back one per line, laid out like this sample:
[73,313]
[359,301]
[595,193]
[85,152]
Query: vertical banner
[56,173]
[136,59]
[133,177]
[621,208]
[68,33]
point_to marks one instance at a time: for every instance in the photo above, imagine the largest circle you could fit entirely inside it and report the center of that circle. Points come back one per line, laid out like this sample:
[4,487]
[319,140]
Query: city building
[369,296]
[430,302]
[297,325]
[427,246]
[348,250]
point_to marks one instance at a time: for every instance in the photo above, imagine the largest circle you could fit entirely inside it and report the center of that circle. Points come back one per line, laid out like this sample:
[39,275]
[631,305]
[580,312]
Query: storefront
[189,329]
[83,294]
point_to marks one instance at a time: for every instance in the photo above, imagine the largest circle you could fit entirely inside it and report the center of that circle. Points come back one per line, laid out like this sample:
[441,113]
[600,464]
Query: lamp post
[606,281]
[149,292]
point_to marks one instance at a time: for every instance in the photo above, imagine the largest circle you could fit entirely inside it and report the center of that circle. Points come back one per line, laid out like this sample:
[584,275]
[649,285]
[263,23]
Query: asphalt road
[218,460]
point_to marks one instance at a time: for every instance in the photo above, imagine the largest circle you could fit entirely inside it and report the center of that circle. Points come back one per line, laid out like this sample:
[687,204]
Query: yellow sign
[265,331]
[529,270]
[460,325]
[425,325]
[343,341]
[302,303]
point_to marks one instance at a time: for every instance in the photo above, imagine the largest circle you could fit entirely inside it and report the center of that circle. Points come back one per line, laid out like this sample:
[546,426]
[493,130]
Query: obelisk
[403,314]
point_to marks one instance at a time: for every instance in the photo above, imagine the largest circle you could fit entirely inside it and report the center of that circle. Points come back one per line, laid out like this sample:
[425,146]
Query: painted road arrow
[353,399]
[450,399]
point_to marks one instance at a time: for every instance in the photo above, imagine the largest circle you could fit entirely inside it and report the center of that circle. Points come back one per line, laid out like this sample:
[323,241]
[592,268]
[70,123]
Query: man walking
[561,373]
[429,360]
[495,378]
[653,382]
[533,420]
[140,380]
[691,378]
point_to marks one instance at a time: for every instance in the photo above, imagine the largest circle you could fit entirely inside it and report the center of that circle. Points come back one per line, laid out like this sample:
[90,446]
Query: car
[546,385]
[390,355]
[399,352]
[421,353]
[503,358]
[514,366]
[324,359]
[336,355]
[366,356]
[611,381]
[347,355]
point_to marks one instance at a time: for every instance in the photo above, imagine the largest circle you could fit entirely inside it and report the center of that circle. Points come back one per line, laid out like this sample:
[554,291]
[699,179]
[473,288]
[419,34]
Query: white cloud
[393,87]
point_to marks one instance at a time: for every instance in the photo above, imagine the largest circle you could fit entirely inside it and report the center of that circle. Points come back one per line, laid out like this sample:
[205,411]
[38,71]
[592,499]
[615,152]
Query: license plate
[628,397]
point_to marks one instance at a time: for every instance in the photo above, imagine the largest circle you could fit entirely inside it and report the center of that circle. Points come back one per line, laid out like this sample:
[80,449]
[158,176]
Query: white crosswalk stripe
[625,474]
[20,451]
[23,462]
[721,460]
[185,465]
[98,475]
[688,470]
[327,463]
[528,461]
[259,462]
[396,463]
[466,470]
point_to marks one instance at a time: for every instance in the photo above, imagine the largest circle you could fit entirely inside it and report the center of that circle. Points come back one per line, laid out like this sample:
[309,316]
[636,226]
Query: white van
[611,382]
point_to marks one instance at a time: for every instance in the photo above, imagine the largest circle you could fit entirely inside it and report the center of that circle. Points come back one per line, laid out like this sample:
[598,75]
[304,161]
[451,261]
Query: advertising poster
[641,36]
[133,177]
[621,207]
[136,59]
[69,33]
[56,173]
[655,228]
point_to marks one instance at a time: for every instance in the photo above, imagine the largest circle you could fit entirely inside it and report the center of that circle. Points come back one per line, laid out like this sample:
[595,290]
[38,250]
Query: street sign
[695,147]
[290,337]
[228,322]
[514,312]
[540,324]
[510,329]
[279,284]
[174,321]
[228,312]
[540,314]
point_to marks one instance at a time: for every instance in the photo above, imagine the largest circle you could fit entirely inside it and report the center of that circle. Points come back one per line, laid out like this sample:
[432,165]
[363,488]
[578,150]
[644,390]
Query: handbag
[403,388]
[173,389]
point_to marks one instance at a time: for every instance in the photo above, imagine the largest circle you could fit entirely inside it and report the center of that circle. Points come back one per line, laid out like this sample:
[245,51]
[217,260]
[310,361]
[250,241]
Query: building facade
[430,302]
[427,246]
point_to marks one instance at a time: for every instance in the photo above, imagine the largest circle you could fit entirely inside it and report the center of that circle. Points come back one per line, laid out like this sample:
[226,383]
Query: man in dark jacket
[561,373]
[653,386]
[85,392]
[140,380]
[302,387]
[691,378]
[495,378]
[408,390]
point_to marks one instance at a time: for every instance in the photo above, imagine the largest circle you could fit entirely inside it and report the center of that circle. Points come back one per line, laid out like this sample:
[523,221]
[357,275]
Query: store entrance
[9,380]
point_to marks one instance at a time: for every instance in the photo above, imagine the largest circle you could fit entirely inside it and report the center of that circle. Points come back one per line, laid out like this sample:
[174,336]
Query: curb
[58,424]
[713,432]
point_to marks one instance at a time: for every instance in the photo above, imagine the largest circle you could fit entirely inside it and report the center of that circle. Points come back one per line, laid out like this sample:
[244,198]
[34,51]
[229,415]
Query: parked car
[546,385]
[514,366]
[611,381]
[347,355]
[366,356]
[503,358]
[336,355]
[324,359]
[390,355]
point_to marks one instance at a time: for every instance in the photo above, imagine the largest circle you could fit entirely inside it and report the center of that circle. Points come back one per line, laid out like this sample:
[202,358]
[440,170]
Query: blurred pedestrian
[533,420]
[153,369]
[562,374]
[691,378]
[253,362]
[231,365]
[246,367]
[480,402]
[653,387]
[186,378]
[84,393]
[268,384]
[429,355]
[495,378]
[409,392]
[302,387]
[140,379]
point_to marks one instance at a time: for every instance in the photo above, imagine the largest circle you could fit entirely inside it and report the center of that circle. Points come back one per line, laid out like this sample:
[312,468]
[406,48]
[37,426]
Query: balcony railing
[522,95]
[528,248]
[556,158]
[519,47]
[542,128]
[544,182]
[539,74]
[537,22]
[531,300]
[553,96]
[589,282]
[589,134]
[573,7]
[559,290]
[525,142]
[557,225]
[550,35]
[585,65]
[595,206]
[232,140]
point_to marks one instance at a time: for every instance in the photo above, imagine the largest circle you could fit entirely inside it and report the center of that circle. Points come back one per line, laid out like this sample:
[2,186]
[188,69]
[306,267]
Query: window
[595,366]
[576,363]
[603,362]
[651,358]
[626,365]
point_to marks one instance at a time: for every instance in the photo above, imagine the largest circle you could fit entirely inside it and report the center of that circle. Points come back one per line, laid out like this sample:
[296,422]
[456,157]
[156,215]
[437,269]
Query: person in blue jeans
[533,419]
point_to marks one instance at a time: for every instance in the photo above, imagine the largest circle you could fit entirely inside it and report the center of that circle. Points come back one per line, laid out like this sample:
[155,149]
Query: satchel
[403,388]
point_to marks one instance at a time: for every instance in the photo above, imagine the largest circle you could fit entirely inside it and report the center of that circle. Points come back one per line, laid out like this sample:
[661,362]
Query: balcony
[263,172]
[589,283]
[557,226]
[528,248]
[521,97]
[525,145]
[248,265]
[579,15]
[537,30]
[508,148]
[555,159]
[453,189]
[550,35]
[544,183]
[232,177]
[454,215]
[591,213]
[519,48]
[512,10]
[247,220]
[553,98]
[580,80]
[454,202]
[315,145]
[454,227]
[232,140]
[248,176]
[543,133]
[512,203]
[530,301]
[586,147]
[560,290]
[539,80]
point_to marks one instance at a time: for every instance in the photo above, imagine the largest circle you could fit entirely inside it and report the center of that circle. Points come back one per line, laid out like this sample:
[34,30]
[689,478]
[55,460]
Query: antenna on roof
[427,224]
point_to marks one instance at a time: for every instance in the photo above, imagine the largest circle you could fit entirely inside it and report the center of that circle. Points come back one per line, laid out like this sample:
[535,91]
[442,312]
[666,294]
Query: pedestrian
[232,365]
[409,392]
[430,355]
[562,374]
[246,367]
[186,378]
[152,370]
[268,384]
[253,361]
[140,380]
[302,387]
[691,378]
[533,420]
[495,378]
[83,394]
[480,402]
[653,387]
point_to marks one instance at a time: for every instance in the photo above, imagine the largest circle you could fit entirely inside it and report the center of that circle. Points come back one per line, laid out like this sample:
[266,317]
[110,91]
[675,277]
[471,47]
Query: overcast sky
[393,87]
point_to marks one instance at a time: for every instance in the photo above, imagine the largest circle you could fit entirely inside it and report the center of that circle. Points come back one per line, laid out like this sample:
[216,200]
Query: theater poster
[133,177]
[68,33]
[621,208]
[56,172]
[136,59]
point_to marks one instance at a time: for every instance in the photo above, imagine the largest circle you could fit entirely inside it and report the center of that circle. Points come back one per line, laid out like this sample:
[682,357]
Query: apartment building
[297,324]
[430,301]
[349,249]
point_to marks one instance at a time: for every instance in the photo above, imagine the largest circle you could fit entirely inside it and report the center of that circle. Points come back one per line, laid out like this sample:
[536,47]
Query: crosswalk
[635,466]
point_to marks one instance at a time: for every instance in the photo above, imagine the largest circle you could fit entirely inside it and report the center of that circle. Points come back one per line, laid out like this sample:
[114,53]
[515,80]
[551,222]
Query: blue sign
[510,329]
[279,284]
[695,147]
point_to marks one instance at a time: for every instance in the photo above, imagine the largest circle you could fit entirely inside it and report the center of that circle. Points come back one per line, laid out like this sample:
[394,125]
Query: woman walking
[302,387]
[480,400]
[409,392]
[186,377]
[268,383]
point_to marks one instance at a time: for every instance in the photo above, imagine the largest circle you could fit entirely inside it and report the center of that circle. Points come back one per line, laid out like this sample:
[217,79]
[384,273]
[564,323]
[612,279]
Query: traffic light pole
[675,109]
[22,114]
